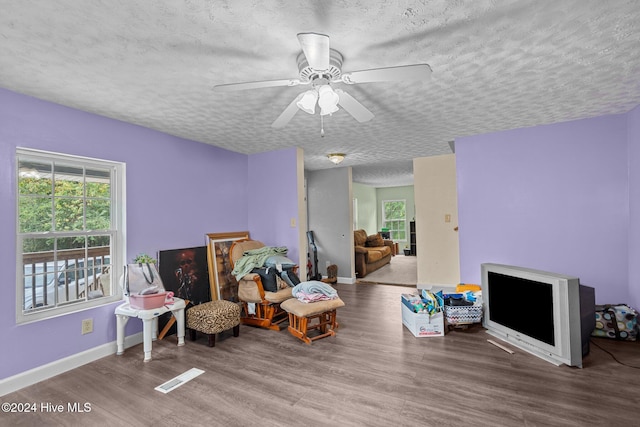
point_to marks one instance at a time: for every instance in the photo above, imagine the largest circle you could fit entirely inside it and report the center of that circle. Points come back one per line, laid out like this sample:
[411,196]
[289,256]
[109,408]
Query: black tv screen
[523,305]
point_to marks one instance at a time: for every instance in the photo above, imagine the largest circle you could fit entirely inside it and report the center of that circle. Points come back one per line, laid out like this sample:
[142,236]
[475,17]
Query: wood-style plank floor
[374,372]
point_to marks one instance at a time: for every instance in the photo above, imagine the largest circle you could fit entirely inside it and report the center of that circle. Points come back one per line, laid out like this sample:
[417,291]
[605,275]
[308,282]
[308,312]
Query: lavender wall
[551,197]
[177,191]
[633,120]
[274,194]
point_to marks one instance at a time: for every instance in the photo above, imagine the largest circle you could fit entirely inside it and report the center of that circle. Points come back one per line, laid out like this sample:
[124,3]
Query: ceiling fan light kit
[336,158]
[308,102]
[327,100]
[321,66]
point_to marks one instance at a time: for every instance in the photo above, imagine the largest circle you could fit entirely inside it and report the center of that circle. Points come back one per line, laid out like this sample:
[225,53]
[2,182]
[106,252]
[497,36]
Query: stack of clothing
[313,291]
[276,271]
[256,258]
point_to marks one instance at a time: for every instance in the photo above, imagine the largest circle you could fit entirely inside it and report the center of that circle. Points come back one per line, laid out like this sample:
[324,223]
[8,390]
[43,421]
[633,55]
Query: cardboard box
[422,324]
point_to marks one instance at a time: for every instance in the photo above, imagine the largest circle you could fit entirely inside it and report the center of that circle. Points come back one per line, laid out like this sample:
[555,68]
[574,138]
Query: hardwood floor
[372,373]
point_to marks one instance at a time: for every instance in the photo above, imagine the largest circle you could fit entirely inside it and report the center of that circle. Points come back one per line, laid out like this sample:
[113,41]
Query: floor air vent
[179,380]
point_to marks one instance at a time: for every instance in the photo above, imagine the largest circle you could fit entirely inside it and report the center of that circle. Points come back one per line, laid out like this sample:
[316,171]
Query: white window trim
[118,213]
[406,228]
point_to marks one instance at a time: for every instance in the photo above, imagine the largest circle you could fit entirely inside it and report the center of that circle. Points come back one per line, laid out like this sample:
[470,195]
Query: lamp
[327,100]
[336,158]
[308,102]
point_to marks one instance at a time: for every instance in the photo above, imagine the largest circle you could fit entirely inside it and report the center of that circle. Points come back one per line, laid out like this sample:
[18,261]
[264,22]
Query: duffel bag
[617,321]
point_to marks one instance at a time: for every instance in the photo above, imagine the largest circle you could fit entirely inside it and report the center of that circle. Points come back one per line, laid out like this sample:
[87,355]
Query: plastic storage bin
[147,302]
[463,315]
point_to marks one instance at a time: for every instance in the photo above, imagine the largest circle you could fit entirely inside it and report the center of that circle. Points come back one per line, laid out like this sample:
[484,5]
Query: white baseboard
[348,280]
[41,373]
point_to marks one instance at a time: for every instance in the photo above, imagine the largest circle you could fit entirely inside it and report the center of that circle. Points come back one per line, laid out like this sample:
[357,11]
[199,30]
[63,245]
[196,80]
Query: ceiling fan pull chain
[321,126]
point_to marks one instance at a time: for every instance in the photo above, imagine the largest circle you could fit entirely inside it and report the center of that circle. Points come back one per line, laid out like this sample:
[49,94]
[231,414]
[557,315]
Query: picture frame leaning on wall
[223,285]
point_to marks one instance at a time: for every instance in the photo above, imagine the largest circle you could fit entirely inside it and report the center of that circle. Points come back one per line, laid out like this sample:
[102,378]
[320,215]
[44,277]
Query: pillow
[359,238]
[375,241]
[279,259]
[268,277]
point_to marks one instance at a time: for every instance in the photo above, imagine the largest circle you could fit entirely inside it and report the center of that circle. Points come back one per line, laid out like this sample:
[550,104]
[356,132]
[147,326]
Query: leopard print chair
[213,317]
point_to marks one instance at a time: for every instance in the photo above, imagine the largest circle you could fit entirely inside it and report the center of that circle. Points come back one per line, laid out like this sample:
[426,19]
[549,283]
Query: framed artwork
[223,285]
[185,272]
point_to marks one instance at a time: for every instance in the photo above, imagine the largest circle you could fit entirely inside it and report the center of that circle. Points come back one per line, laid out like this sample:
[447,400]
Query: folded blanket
[314,287]
[255,258]
[307,298]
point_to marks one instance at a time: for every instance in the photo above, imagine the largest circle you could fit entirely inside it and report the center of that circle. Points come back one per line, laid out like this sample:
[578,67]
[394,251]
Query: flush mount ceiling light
[336,158]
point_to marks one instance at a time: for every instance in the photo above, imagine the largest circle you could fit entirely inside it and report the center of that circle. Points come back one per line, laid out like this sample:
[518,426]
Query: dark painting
[185,273]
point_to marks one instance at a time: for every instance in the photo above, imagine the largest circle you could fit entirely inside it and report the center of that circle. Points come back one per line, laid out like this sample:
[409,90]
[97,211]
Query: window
[394,215]
[69,233]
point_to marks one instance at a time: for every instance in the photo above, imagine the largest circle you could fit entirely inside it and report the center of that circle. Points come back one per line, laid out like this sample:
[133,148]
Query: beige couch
[371,252]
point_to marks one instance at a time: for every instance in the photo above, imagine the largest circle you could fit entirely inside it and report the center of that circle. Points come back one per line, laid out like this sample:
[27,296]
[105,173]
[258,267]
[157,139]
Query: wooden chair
[259,307]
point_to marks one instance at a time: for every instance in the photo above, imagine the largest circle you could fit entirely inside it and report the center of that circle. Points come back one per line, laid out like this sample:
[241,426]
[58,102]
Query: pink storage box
[147,302]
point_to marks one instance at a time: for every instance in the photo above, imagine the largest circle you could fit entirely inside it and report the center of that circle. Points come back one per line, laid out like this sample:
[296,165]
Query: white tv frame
[566,314]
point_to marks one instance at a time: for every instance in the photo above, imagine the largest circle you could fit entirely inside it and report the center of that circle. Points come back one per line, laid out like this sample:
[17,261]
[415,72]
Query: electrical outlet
[87,326]
[293,223]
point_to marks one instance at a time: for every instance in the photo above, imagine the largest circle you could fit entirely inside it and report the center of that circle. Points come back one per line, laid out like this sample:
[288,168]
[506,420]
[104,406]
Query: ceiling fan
[320,66]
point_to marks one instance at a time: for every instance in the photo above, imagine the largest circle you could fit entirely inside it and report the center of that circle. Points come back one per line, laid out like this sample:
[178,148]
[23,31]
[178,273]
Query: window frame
[384,219]
[117,233]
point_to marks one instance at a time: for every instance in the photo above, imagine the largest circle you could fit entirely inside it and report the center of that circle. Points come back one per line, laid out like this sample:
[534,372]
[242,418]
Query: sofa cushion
[375,240]
[374,255]
[359,237]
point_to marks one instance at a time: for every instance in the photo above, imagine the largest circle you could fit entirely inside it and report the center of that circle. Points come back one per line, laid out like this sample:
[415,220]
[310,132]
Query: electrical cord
[613,356]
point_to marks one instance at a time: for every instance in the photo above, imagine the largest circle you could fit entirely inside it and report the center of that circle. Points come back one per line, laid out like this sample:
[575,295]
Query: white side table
[149,323]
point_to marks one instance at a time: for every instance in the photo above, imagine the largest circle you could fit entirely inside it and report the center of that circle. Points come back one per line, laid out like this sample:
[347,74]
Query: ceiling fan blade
[353,107]
[316,50]
[404,72]
[255,85]
[287,114]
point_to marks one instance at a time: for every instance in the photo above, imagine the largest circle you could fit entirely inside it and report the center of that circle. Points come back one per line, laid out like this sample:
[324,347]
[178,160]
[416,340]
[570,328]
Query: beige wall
[437,241]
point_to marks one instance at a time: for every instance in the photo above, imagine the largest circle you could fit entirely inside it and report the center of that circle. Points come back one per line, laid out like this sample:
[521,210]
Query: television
[546,314]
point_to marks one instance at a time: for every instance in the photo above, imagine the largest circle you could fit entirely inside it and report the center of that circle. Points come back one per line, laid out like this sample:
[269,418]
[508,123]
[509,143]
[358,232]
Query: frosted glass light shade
[327,100]
[336,158]
[308,102]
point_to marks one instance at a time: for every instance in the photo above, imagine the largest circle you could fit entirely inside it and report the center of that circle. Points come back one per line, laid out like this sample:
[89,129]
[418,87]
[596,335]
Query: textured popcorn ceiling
[496,65]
